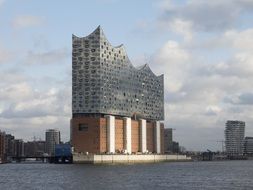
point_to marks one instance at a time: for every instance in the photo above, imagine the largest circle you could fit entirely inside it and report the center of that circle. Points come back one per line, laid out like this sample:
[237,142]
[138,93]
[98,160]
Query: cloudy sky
[204,48]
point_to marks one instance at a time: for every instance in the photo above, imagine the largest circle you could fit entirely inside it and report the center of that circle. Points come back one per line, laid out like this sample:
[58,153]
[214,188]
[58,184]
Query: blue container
[62,150]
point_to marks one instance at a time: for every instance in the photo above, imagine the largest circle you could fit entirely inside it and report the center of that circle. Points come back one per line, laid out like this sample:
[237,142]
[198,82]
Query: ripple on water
[183,175]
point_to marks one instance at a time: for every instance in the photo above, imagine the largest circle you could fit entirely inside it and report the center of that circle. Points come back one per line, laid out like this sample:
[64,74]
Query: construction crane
[222,144]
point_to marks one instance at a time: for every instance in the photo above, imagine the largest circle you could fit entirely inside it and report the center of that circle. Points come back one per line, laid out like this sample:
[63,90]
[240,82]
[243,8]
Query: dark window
[83,127]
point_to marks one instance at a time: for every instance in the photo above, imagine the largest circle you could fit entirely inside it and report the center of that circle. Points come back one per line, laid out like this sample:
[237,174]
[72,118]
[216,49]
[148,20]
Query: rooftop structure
[105,81]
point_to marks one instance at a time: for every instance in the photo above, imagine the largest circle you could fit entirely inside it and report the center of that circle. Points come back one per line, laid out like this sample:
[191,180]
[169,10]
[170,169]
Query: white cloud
[23,102]
[206,16]
[173,53]
[242,40]
[24,21]
[240,60]
[47,120]
[182,27]
[49,57]
[204,86]
[179,26]
[26,110]
[17,91]
[213,110]
[172,59]
[202,93]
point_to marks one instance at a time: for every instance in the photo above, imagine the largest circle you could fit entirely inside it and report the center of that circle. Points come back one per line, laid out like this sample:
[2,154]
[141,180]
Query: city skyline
[206,60]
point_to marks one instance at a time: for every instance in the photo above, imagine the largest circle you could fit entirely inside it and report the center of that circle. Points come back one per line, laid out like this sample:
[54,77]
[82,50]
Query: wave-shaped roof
[99,31]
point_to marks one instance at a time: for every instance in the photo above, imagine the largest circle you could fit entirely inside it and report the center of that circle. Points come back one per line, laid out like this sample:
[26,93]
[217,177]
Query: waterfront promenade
[133,158]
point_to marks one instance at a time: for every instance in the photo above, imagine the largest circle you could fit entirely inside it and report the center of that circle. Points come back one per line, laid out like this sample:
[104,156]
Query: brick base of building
[89,134]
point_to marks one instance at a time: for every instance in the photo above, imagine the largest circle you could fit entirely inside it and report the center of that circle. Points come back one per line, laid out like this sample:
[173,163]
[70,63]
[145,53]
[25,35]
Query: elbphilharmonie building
[116,107]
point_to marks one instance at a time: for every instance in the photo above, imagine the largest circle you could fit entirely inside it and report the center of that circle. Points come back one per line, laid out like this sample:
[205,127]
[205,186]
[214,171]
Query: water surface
[178,175]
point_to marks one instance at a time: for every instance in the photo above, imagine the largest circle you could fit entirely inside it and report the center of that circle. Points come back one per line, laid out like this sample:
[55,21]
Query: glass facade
[104,81]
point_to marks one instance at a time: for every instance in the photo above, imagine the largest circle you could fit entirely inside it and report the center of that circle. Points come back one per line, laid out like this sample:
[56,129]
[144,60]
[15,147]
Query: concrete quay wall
[142,158]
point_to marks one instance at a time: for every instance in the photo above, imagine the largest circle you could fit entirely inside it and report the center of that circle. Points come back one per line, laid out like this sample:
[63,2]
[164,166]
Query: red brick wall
[103,135]
[119,135]
[94,140]
[86,141]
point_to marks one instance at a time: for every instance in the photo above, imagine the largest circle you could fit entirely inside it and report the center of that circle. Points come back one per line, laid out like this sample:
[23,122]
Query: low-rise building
[34,148]
[248,146]
[168,140]
[2,147]
[175,148]
[9,146]
[19,148]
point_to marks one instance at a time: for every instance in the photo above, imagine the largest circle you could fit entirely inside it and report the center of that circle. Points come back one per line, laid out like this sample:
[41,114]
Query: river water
[174,175]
